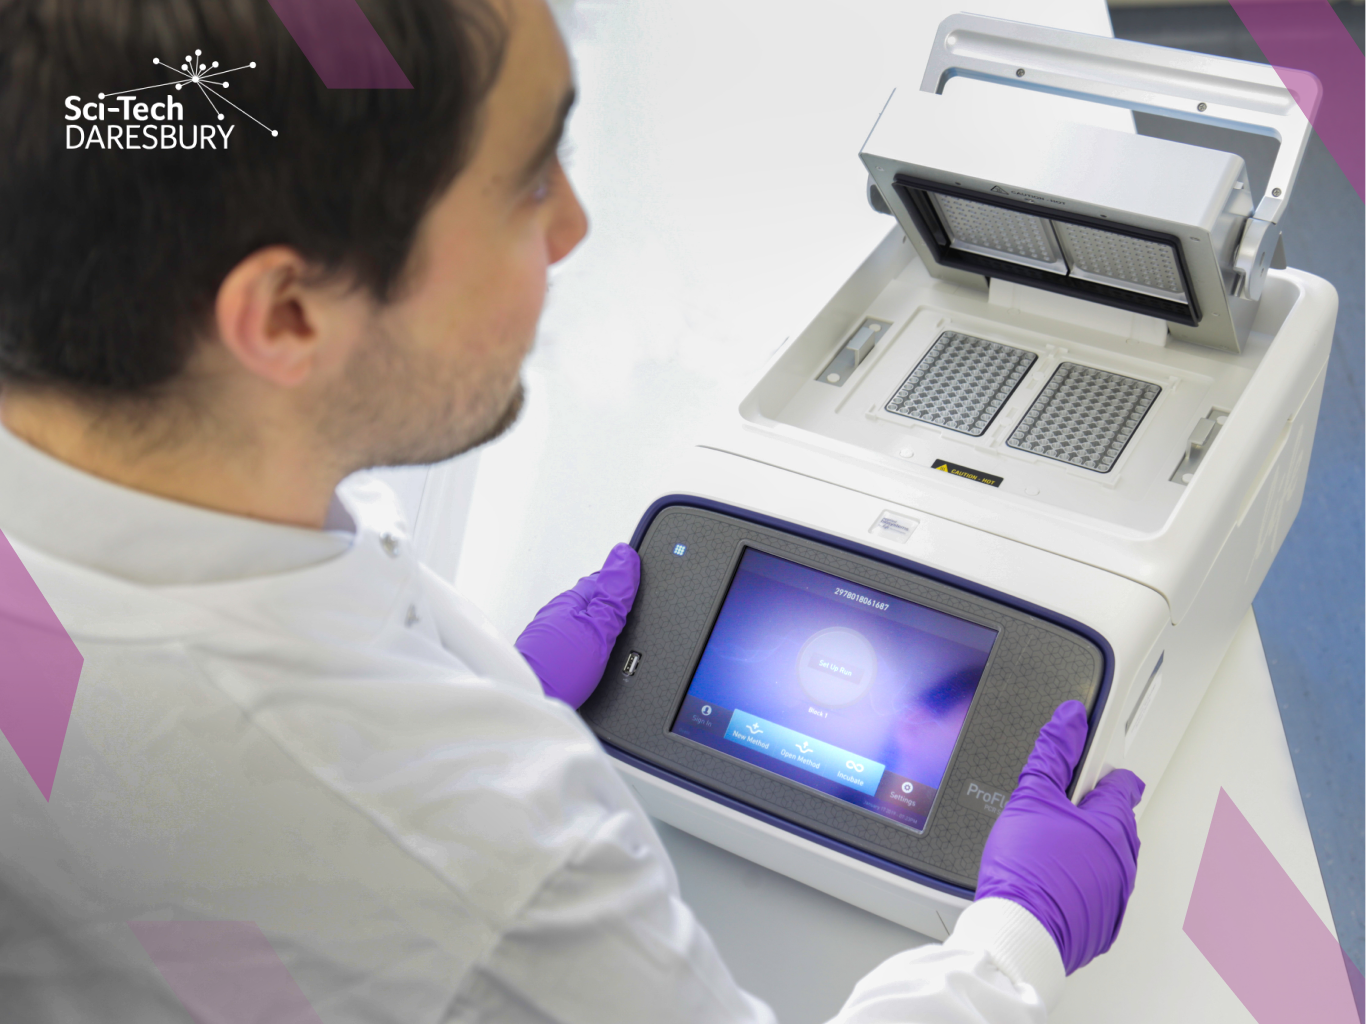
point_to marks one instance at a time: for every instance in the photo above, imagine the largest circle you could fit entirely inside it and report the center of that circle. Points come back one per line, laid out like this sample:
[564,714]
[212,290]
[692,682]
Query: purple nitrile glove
[1072,867]
[569,640]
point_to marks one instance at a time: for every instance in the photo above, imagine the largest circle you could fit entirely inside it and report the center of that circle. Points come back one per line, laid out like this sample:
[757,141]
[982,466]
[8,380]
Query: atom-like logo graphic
[195,72]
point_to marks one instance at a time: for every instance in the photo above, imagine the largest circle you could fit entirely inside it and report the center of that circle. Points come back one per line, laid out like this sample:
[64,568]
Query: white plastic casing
[1163,570]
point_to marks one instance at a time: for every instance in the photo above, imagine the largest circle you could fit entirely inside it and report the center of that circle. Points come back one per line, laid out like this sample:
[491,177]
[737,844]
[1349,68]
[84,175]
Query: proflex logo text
[158,124]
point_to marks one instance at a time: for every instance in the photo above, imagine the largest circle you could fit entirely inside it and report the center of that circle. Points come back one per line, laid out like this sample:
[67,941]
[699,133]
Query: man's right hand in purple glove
[1072,867]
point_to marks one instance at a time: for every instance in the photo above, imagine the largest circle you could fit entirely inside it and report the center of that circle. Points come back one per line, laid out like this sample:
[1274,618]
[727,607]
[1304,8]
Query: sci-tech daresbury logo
[153,117]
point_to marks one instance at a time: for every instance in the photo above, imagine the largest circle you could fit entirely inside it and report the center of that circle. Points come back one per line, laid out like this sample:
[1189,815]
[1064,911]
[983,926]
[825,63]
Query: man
[302,780]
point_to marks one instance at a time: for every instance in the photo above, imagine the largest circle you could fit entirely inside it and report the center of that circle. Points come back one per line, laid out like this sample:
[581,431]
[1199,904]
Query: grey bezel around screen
[1034,666]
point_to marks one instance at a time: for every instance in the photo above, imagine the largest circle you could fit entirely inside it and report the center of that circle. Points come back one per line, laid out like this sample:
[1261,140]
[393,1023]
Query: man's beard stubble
[498,427]
[397,412]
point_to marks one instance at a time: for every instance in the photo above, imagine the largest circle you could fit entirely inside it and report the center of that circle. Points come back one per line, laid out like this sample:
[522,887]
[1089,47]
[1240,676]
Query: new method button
[799,751]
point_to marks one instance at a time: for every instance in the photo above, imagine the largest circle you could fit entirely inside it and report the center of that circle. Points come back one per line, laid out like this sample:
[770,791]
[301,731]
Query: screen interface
[836,686]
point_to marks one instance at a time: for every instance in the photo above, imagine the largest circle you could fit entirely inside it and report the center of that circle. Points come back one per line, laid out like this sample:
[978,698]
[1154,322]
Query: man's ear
[268,318]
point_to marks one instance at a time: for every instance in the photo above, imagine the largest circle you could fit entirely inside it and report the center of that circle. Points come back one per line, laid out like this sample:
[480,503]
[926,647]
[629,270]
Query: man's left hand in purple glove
[1071,866]
[570,639]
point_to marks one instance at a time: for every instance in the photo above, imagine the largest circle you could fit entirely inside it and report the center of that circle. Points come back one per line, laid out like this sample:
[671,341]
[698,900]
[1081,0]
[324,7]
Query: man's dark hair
[110,259]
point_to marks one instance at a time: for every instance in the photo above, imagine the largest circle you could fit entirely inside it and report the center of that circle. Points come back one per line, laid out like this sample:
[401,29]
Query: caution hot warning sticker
[967,474]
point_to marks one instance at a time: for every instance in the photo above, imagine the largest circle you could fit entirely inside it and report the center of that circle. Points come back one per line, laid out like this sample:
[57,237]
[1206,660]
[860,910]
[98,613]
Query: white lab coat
[312,732]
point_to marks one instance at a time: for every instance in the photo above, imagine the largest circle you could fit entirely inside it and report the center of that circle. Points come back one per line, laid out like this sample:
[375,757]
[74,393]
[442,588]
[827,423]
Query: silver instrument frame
[1155,79]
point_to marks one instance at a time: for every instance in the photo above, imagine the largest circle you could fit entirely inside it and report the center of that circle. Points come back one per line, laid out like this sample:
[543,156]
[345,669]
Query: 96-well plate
[1084,417]
[961,383]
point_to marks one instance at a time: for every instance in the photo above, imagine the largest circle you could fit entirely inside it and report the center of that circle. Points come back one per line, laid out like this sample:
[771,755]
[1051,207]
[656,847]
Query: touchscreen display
[837,686]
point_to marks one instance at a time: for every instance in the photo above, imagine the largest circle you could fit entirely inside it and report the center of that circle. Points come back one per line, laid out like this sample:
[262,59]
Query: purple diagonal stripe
[341,44]
[1258,931]
[1308,35]
[40,668]
[224,972]
[1358,984]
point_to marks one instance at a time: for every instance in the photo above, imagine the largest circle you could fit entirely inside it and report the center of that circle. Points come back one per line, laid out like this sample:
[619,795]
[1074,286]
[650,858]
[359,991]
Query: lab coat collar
[132,566]
[79,518]
[346,602]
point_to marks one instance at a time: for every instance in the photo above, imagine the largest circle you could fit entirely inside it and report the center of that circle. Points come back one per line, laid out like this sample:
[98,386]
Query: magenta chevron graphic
[40,668]
[1308,34]
[1275,953]
[341,44]
[224,972]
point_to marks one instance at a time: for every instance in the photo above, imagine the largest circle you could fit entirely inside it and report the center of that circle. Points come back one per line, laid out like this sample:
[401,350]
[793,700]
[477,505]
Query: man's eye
[544,183]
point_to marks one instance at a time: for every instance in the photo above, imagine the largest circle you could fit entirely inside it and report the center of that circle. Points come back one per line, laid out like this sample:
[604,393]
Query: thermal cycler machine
[1042,445]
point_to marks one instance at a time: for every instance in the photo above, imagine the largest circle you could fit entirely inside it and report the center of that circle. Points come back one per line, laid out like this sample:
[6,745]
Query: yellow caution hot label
[967,474]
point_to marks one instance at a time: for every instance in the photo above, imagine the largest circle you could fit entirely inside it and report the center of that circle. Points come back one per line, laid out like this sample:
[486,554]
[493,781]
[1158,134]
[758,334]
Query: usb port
[632,662]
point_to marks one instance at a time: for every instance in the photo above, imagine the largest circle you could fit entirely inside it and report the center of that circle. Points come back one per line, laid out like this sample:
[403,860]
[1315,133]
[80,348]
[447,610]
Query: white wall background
[715,146]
